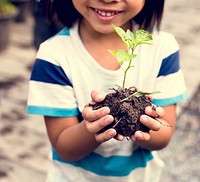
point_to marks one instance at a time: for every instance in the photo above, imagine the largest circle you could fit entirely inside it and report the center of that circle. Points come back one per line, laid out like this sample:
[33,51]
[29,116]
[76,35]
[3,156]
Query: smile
[106,13]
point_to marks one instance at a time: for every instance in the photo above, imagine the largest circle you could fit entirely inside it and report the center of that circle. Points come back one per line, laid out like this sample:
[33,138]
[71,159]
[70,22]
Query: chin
[104,29]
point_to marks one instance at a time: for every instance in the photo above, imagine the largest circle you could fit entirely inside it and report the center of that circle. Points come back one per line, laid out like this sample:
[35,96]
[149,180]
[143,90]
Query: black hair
[149,18]
[64,10]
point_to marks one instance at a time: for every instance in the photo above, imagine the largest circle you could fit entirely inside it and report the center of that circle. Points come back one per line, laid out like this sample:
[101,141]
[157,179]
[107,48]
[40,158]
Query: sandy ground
[24,147]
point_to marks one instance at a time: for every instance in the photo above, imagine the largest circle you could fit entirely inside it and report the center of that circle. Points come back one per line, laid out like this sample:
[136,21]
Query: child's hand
[95,120]
[148,121]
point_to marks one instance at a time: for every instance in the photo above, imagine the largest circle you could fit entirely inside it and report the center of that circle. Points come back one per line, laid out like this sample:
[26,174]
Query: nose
[110,1]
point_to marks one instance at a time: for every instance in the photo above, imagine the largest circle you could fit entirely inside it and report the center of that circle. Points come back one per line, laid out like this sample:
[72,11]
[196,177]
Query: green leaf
[130,35]
[113,52]
[131,41]
[140,93]
[122,35]
[143,36]
[122,55]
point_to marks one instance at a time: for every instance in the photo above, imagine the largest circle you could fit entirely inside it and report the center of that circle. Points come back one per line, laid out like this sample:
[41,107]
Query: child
[74,67]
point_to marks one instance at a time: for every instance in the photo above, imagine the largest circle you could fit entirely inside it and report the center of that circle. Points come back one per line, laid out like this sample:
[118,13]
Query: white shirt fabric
[62,79]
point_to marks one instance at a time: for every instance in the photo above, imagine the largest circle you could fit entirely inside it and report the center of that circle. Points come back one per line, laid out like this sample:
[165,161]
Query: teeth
[105,13]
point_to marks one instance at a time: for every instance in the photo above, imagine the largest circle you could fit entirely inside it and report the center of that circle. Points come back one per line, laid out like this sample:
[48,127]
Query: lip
[105,15]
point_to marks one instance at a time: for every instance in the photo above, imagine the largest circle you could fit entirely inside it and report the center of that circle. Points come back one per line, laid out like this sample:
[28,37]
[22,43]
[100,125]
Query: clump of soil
[126,108]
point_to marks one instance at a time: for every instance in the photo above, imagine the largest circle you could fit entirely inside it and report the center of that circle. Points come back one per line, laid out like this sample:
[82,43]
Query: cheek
[140,5]
[136,6]
[77,5]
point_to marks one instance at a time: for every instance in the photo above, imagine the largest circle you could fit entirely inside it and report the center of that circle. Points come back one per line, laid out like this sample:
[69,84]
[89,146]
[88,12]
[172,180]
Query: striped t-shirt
[63,76]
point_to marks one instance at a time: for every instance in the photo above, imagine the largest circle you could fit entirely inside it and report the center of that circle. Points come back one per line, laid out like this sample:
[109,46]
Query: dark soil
[126,109]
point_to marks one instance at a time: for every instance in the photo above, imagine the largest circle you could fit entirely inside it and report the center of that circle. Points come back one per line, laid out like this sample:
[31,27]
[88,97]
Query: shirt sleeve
[50,89]
[170,79]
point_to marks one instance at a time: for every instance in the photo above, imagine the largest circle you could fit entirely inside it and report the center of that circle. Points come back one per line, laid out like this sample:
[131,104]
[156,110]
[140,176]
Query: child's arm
[72,139]
[161,134]
[160,131]
[95,122]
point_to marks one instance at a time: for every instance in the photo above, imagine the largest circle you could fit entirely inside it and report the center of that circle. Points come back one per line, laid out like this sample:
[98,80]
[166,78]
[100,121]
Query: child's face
[99,14]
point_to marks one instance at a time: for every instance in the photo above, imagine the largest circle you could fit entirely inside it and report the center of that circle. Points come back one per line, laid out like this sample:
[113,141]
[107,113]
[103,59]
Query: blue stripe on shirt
[170,65]
[44,71]
[48,111]
[111,166]
[170,101]
[64,31]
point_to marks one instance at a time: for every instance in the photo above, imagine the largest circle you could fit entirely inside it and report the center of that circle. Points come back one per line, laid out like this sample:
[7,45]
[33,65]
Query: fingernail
[133,138]
[106,110]
[139,135]
[144,119]
[100,97]
[108,120]
[111,133]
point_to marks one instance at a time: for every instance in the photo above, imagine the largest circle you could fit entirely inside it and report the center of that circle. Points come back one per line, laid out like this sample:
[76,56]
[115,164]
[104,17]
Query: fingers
[119,137]
[109,134]
[97,96]
[149,96]
[91,115]
[96,126]
[96,120]
[155,111]
[105,136]
[151,123]
[142,136]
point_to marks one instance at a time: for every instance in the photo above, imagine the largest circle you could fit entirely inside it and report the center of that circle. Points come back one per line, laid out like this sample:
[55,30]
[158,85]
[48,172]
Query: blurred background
[24,147]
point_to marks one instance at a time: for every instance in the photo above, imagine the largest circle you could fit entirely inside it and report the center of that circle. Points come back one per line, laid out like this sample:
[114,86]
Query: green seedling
[131,41]
[128,104]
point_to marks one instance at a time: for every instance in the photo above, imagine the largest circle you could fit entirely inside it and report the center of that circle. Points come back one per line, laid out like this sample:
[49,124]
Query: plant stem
[128,67]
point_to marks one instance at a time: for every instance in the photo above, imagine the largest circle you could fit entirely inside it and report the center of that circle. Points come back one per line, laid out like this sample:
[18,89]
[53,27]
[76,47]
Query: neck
[98,44]
[88,33]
